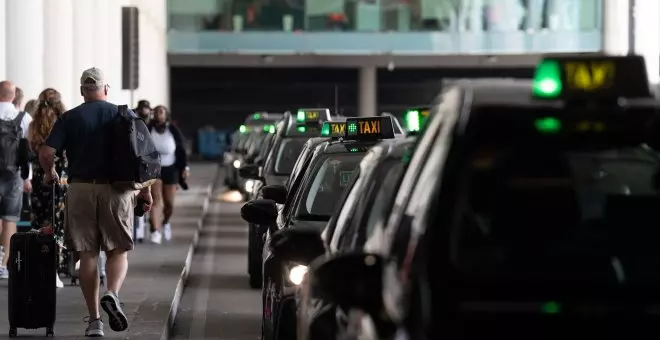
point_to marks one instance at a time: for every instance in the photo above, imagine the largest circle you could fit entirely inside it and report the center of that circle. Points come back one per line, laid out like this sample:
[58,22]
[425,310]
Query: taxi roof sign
[312,115]
[591,78]
[379,127]
[415,118]
[333,129]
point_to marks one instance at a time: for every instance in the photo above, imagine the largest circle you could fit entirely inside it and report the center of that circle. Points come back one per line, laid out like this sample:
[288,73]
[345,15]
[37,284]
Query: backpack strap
[19,119]
[122,110]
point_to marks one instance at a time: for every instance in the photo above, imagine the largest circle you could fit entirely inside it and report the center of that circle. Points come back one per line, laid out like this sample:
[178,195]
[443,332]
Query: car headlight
[297,274]
[237,164]
[249,185]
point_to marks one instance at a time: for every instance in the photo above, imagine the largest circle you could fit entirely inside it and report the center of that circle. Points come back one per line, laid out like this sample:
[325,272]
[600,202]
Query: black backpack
[134,159]
[10,136]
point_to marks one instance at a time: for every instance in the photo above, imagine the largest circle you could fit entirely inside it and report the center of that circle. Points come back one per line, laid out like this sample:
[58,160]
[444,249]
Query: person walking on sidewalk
[174,162]
[99,216]
[14,168]
[49,109]
[144,111]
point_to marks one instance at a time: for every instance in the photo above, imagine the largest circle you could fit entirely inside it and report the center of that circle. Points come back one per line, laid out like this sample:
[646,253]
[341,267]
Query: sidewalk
[154,275]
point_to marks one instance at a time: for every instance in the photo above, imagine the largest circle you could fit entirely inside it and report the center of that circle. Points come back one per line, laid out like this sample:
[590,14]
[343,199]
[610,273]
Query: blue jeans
[11,197]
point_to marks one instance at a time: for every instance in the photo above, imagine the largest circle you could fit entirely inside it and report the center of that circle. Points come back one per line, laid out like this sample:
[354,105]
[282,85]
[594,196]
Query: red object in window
[250,14]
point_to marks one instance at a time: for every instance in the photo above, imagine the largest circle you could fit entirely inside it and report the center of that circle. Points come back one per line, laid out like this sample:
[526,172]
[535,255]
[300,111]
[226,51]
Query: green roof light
[256,116]
[551,308]
[412,120]
[351,128]
[547,80]
[325,130]
[242,129]
[271,129]
[300,117]
[548,125]
[301,129]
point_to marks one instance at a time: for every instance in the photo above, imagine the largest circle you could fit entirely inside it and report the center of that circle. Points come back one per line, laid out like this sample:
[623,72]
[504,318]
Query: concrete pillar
[647,35]
[615,26]
[85,26]
[24,45]
[59,50]
[3,41]
[367,92]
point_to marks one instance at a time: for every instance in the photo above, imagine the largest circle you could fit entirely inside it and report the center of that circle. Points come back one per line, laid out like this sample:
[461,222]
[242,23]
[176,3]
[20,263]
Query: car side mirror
[249,171]
[301,244]
[276,193]
[351,280]
[261,212]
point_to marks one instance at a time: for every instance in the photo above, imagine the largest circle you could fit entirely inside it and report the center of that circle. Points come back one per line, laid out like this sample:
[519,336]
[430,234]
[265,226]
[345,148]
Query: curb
[181,285]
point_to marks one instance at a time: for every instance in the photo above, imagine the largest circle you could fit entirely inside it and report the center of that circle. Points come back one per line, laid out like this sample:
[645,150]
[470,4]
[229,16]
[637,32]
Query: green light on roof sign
[547,81]
[547,125]
[256,116]
[352,128]
[325,130]
[300,116]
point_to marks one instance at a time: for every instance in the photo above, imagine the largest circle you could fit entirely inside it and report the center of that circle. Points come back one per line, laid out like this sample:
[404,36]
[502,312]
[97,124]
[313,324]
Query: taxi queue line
[541,195]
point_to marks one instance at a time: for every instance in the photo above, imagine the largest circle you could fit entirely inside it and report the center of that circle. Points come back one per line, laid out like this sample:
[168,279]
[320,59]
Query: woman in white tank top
[168,141]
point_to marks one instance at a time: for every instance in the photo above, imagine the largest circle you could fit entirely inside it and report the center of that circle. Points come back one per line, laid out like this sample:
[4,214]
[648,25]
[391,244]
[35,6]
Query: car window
[384,197]
[569,215]
[287,155]
[346,211]
[328,180]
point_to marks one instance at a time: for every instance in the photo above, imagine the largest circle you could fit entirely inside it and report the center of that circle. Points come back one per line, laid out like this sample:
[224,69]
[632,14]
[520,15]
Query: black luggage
[32,292]
[33,263]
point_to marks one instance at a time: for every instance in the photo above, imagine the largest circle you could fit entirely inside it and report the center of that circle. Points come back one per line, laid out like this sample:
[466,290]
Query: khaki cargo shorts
[97,216]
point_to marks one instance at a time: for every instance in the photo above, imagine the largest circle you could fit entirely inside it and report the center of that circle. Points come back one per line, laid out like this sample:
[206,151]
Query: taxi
[289,137]
[366,200]
[310,206]
[234,158]
[527,210]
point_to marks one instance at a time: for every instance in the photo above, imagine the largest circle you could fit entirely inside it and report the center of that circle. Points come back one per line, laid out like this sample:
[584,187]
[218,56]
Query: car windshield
[556,219]
[287,155]
[329,179]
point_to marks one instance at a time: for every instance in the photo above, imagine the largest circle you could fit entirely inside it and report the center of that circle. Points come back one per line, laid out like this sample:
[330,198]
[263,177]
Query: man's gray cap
[93,77]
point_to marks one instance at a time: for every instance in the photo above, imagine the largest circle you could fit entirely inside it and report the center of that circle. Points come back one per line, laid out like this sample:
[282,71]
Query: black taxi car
[366,200]
[234,159]
[311,205]
[290,135]
[527,210]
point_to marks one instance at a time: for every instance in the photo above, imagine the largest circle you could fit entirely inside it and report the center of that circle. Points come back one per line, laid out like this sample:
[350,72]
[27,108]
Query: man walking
[12,182]
[98,215]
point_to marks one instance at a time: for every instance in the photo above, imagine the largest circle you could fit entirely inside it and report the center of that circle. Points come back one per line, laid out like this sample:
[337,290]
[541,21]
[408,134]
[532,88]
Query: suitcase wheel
[74,281]
[50,332]
[13,332]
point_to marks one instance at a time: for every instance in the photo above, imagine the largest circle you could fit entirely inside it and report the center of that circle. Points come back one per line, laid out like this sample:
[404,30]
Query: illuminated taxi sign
[312,115]
[591,77]
[380,127]
[333,129]
[415,118]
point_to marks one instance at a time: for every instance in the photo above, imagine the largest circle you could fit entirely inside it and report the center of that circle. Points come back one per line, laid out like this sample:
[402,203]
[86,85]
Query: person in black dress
[45,207]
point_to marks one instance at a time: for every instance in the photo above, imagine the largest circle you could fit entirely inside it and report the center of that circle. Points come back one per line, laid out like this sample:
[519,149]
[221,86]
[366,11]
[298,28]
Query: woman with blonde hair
[49,109]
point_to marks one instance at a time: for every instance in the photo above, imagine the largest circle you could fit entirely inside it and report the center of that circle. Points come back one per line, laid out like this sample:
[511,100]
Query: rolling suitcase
[32,268]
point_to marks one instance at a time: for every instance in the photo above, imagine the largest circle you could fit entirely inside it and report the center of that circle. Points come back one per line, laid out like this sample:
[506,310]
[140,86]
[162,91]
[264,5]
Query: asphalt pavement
[218,303]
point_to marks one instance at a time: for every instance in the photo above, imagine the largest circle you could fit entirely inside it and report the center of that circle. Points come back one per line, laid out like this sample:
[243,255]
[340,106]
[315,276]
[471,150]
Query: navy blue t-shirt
[84,133]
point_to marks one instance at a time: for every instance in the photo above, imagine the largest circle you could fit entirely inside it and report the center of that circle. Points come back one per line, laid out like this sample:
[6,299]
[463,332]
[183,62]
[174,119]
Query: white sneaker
[156,237]
[4,273]
[167,231]
[58,281]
